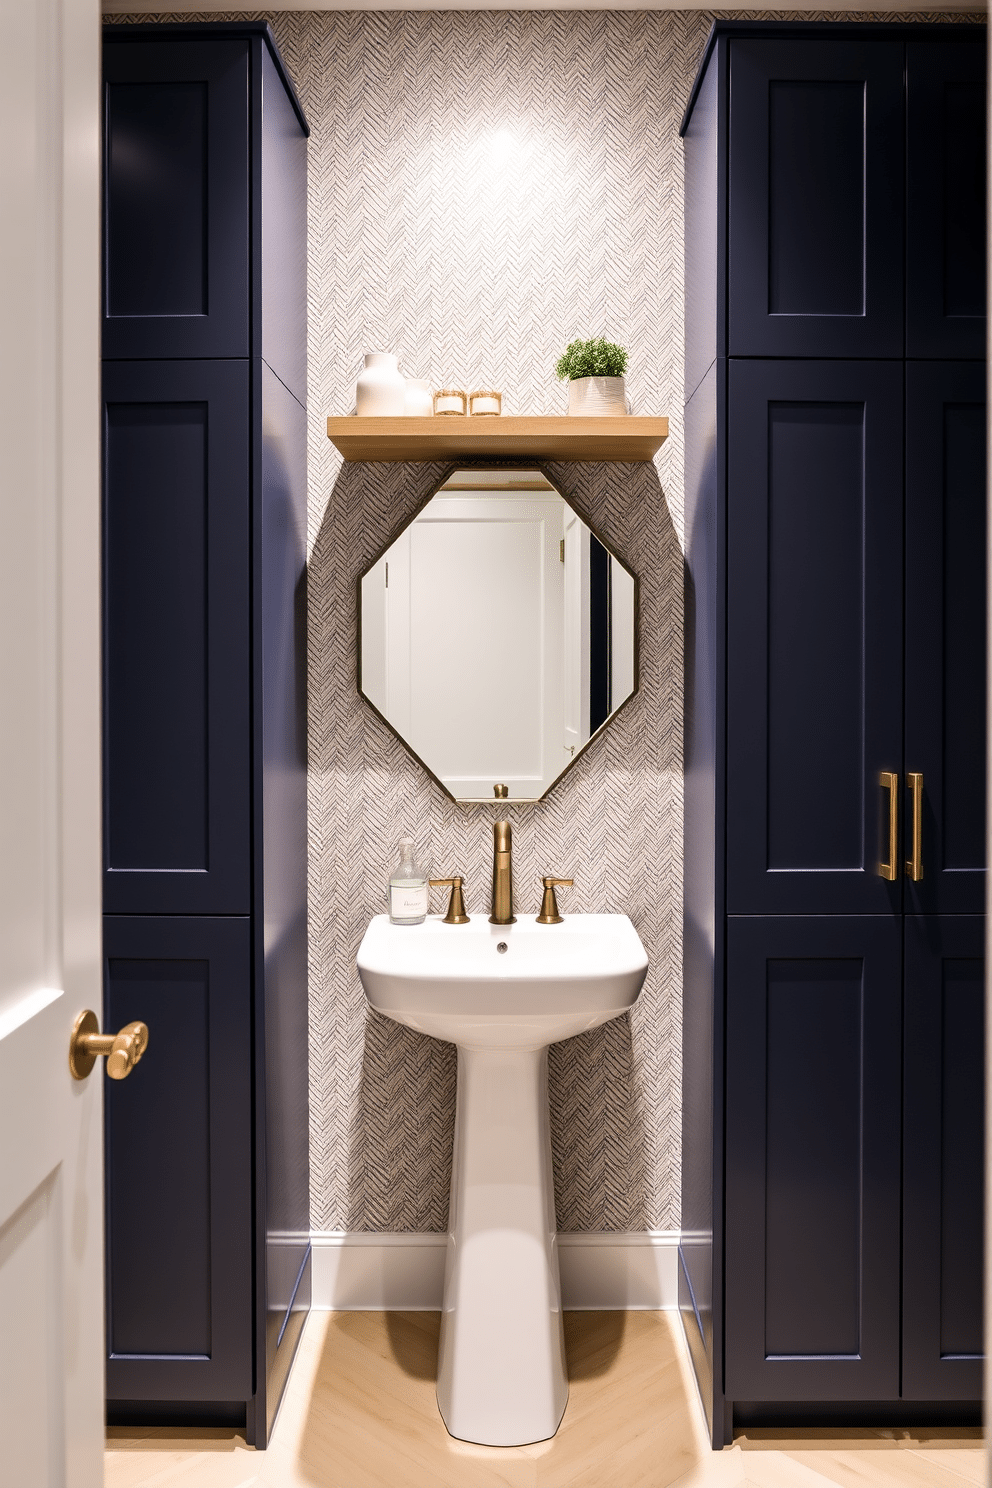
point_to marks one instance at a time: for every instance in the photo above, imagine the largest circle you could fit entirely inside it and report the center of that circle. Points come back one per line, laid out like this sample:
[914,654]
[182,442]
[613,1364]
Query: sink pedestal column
[501,1366]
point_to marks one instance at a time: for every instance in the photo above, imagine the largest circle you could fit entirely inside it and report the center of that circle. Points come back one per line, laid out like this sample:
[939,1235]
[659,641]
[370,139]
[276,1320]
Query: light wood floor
[360,1413]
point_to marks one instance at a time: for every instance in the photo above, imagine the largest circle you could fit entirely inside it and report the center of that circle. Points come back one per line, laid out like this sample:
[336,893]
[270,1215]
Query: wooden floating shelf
[454,436]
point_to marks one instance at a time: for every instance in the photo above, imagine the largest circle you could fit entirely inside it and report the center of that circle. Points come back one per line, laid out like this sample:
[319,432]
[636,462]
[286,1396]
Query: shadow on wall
[382,1096]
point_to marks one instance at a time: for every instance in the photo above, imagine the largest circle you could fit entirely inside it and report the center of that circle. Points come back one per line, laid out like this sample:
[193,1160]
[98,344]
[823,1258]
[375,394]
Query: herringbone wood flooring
[360,1413]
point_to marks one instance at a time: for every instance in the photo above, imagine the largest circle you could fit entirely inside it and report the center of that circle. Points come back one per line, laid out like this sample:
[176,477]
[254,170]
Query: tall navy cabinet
[204,385]
[835,736]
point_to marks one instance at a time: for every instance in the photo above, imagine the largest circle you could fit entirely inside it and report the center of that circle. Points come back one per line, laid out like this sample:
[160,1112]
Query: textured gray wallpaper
[485,186]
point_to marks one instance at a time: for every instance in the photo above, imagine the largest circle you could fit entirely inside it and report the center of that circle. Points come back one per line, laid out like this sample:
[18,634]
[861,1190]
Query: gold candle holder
[450,401]
[485,403]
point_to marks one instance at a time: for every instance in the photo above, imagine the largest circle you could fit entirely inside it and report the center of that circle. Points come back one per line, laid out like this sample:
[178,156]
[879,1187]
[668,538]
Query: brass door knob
[549,905]
[123,1050]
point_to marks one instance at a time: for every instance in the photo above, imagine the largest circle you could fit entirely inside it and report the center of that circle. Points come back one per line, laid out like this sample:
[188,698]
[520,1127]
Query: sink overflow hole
[501,947]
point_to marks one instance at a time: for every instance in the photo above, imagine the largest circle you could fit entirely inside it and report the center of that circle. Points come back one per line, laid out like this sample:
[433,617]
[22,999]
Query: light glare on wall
[504,149]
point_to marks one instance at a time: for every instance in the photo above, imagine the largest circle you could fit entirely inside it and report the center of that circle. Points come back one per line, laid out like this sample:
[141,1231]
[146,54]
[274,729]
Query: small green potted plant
[595,378]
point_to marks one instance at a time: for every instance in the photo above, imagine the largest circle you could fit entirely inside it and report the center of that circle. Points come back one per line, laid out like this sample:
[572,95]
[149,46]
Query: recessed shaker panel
[814,634]
[944,1157]
[179,1211]
[816,523]
[813,1168]
[962,1045]
[160,1304]
[945,629]
[946,152]
[176,633]
[964,636]
[812,1117]
[156,586]
[175,196]
[816,198]
[156,244]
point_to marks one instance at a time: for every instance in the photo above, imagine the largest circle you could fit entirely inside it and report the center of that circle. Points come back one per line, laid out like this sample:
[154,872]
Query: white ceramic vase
[597,397]
[380,391]
[419,399]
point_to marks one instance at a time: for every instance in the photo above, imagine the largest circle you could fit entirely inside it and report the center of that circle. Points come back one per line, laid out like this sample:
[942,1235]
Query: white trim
[357,1271]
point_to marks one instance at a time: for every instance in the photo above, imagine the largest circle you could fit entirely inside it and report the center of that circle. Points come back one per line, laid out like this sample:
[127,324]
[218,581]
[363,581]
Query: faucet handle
[549,904]
[456,904]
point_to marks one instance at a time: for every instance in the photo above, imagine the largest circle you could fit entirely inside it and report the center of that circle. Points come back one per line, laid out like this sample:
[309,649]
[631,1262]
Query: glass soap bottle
[407,889]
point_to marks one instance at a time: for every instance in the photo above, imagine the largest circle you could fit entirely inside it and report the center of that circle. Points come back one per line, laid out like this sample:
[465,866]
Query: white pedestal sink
[502,993]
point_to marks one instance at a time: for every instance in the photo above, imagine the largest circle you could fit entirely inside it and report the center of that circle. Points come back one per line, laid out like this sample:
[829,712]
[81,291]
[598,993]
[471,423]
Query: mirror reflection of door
[488,633]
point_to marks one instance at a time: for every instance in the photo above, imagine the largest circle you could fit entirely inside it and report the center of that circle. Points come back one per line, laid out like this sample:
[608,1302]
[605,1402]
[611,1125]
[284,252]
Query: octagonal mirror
[497,634]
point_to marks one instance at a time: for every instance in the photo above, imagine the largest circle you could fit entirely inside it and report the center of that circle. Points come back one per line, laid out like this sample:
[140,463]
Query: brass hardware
[549,904]
[889,781]
[456,904]
[500,792]
[561,550]
[123,1050]
[502,875]
[387,575]
[914,865]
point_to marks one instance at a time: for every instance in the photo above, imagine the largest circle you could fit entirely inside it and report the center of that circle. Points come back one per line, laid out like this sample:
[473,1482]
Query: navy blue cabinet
[204,422]
[943,1157]
[814,632]
[946,185]
[179,1170]
[945,632]
[813,1157]
[835,724]
[816,198]
[177,749]
[176,198]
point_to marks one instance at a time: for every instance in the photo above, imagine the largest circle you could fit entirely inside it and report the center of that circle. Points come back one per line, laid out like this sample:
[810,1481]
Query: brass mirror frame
[482,463]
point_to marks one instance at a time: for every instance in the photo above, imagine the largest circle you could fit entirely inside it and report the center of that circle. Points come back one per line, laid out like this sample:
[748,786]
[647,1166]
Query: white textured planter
[380,391]
[597,397]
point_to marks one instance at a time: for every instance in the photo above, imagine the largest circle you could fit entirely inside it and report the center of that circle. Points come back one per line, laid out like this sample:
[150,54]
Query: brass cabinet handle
[549,904]
[456,904]
[914,865]
[123,1050]
[889,781]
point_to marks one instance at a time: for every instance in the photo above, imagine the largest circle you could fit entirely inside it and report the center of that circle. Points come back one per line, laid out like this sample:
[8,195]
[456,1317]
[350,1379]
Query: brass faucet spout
[502,875]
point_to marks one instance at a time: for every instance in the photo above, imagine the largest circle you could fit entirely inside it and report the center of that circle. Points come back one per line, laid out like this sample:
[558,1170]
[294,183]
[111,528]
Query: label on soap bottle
[407,901]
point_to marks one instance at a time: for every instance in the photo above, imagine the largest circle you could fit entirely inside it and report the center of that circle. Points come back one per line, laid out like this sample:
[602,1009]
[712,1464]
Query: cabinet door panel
[945,240]
[175,198]
[816,198]
[945,630]
[812,1217]
[179,1214]
[814,634]
[176,638]
[944,1157]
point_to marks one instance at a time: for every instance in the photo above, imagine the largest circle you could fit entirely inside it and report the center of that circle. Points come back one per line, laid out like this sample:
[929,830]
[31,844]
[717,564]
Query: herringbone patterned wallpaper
[484,186]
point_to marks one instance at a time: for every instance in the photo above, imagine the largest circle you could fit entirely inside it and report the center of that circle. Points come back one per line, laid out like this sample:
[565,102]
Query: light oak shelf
[452,436]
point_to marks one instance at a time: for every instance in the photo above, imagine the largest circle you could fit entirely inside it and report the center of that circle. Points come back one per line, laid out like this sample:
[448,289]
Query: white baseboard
[355,1271]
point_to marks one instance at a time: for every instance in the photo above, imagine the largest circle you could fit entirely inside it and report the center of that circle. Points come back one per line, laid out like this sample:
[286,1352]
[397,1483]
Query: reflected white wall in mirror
[497,634]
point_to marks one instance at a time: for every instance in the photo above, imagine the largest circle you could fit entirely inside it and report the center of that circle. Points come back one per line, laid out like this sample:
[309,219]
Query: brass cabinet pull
[889,781]
[914,865]
[123,1050]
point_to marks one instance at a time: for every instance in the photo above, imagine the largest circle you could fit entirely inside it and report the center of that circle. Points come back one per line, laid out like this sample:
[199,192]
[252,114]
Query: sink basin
[547,983]
[502,993]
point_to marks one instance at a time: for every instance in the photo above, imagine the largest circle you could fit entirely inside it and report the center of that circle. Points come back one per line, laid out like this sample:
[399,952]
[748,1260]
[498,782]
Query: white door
[51,1180]
[474,641]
